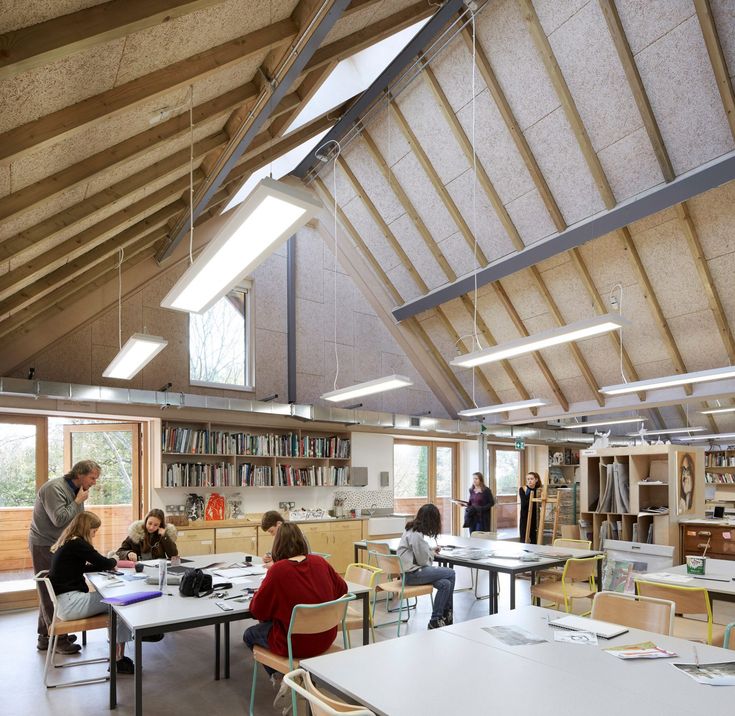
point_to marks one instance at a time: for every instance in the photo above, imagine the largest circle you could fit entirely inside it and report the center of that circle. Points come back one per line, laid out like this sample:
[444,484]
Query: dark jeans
[257,635]
[41,559]
[442,578]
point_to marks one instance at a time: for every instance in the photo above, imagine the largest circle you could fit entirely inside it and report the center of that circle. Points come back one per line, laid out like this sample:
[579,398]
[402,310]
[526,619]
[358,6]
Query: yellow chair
[687,600]
[577,582]
[637,612]
[60,627]
[367,576]
[391,565]
[562,543]
[321,704]
[305,619]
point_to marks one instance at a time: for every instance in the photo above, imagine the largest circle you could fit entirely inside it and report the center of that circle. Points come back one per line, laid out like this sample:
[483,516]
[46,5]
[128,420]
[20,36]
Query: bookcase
[634,494]
[205,455]
[720,475]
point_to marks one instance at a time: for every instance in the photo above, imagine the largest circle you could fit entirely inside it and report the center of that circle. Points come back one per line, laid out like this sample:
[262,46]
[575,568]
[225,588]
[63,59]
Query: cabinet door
[236,539]
[344,535]
[265,542]
[319,537]
[194,542]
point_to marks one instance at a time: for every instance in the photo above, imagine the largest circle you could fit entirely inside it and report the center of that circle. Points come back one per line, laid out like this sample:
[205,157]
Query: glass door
[425,472]
[116,497]
[505,464]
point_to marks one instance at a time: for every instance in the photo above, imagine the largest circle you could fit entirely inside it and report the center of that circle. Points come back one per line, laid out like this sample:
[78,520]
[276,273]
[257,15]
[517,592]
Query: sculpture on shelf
[641,433]
[234,508]
[602,440]
[558,458]
[194,507]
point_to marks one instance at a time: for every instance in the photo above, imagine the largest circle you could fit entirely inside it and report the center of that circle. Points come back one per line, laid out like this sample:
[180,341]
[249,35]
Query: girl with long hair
[150,538]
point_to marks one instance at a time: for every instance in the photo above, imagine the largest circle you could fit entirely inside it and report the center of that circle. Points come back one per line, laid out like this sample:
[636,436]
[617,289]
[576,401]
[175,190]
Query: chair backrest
[321,703]
[365,574]
[42,578]
[573,543]
[579,569]
[484,535]
[316,618]
[390,564]
[637,612]
[687,600]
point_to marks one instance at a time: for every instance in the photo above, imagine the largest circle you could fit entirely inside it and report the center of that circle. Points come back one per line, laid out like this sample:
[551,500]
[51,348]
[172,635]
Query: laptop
[606,630]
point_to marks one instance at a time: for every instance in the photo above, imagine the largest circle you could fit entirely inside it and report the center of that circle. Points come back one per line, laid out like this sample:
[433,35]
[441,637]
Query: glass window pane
[444,477]
[217,343]
[507,467]
[411,477]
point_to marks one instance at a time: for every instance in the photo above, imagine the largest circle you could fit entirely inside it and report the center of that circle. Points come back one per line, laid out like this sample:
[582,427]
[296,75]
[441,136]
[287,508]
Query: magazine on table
[644,650]
[720,674]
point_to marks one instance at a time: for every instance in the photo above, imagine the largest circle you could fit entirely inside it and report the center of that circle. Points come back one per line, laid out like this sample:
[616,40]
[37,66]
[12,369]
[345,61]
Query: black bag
[195,583]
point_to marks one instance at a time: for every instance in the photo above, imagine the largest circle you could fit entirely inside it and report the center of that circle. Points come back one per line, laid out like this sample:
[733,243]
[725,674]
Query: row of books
[719,459]
[195,441]
[198,474]
[719,478]
[314,476]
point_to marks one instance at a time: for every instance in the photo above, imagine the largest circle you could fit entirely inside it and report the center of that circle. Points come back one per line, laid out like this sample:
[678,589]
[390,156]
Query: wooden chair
[320,703]
[577,582]
[60,627]
[562,543]
[305,619]
[367,575]
[637,612]
[391,565]
[475,573]
[687,600]
[383,548]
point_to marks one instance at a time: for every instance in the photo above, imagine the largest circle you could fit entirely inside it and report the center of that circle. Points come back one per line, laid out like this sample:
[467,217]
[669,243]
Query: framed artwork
[685,481]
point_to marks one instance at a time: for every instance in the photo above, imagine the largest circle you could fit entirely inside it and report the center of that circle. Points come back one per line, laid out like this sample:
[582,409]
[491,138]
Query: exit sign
[520,444]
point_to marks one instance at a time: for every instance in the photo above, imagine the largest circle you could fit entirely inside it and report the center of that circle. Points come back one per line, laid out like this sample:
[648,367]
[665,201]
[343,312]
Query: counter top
[724,522]
[214,524]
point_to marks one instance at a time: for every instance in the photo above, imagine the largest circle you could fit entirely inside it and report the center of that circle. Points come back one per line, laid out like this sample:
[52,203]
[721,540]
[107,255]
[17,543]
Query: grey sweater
[414,551]
[53,510]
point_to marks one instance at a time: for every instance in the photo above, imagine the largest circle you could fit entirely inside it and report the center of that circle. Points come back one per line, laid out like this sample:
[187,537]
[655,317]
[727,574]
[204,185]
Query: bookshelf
[719,476]
[203,455]
[650,511]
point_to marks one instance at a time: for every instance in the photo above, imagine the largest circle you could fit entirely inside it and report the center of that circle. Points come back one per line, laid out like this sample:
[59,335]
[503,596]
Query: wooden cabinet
[194,542]
[265,542]
[634,494]
[717,539]
[344,534]
[236,539]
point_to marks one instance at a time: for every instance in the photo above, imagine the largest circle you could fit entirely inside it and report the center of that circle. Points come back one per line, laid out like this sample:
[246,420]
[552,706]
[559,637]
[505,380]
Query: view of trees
[17,465]
[507,466]
[411,471]
[217,342]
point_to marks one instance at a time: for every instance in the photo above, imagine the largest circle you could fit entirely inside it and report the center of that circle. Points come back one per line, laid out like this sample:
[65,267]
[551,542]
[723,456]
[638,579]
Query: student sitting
[73,555]
[416,557]
[296,577]
[270,523]
[150,538]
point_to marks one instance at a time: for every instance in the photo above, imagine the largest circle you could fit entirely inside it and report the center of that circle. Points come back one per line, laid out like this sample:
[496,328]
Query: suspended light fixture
[600,423]
[271,214]
[670,381]
[717,411]
[671,431]
[370,387]
[553,337]
[139,350]
[503,408]
[711,436]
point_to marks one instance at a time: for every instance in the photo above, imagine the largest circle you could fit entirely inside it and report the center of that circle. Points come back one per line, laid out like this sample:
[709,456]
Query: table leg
[227,650]
[138,675]
[113,655]
[493,596]
[512,590]
[216,652]
[366,618]
[357,553]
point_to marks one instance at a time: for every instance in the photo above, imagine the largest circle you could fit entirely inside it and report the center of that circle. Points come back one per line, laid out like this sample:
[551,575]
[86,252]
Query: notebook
[131,598]
[604,629]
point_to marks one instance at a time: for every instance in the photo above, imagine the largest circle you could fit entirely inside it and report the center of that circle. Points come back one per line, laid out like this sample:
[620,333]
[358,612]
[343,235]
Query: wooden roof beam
[45,42]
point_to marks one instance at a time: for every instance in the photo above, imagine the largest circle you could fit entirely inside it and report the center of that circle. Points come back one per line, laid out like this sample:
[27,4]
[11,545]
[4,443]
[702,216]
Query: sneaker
[70,637]
[42,644]
[283,698]
[125,665]
[436,623]
[448,617]
[64,646]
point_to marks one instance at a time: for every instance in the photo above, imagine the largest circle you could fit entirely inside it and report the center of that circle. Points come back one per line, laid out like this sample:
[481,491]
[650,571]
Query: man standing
[58,502]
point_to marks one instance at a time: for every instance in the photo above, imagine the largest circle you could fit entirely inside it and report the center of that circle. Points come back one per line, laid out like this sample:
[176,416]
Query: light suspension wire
[191,174]
[121,256]
[619,301]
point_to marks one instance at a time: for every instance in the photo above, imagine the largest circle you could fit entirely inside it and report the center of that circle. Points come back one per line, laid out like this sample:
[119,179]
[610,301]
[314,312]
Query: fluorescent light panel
[272,213]
[553,337]
[669,381]
[672,431]
[711,436]
[598,423]
[370,387]
[717,411]
[138,351]
[503,408]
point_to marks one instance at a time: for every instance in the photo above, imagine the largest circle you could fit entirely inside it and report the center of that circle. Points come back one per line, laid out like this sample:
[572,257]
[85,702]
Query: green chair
[726,640]
[391,565]
[305,619]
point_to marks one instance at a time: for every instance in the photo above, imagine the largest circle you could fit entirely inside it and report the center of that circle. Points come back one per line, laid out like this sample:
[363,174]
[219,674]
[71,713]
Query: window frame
[246,287]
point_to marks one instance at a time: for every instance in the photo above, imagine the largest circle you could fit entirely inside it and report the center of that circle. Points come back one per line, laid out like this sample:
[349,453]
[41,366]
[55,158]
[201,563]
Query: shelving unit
[202,455]
[653,482]
[720,472]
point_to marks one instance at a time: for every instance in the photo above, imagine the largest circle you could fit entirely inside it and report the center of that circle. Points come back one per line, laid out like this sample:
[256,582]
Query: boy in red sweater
[296,577]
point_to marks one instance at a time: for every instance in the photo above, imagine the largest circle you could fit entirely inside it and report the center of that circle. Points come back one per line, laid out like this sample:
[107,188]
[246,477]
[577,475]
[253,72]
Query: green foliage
[17,465]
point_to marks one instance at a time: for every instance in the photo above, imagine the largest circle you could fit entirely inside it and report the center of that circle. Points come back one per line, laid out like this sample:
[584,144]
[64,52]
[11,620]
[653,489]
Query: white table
[721,587]
[172,612]
[506,559]
[452,670]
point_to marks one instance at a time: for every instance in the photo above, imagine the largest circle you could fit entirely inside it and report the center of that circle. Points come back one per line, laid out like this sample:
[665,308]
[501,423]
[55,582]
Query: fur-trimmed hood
[136,531]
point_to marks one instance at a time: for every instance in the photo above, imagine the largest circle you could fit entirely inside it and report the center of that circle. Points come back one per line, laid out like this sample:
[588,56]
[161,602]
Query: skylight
[354,75]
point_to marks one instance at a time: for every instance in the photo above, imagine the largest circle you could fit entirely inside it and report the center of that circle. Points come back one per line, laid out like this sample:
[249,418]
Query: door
[424,472]
[505,465]
[116,498]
